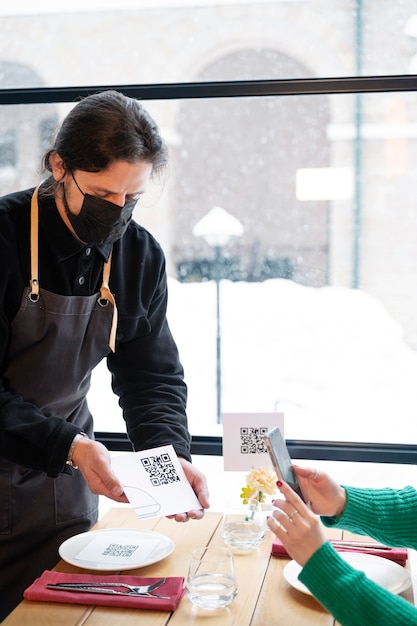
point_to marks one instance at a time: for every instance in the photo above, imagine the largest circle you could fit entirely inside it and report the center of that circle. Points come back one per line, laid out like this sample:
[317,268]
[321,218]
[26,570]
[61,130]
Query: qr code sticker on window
[251,439]
[120,550]
[160,469]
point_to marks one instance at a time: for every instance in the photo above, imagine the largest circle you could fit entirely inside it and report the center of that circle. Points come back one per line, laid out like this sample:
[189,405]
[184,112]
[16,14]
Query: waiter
[81,281]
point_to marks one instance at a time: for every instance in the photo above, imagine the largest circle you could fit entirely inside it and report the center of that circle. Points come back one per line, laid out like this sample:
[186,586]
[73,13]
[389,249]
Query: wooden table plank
[250,571]
[299,609]
[107,616]
[47,614]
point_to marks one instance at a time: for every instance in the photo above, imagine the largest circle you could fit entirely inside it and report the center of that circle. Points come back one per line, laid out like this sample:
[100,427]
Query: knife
[360,544]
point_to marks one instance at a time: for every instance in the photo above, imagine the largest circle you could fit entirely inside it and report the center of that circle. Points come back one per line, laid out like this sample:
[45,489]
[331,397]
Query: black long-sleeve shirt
[146,372]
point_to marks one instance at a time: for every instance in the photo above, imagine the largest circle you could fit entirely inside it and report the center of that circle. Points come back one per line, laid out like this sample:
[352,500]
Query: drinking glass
[244,525]
[211,582]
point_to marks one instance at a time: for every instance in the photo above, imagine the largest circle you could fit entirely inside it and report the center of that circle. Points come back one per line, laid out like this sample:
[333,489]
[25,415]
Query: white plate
[102,549]
[386,573]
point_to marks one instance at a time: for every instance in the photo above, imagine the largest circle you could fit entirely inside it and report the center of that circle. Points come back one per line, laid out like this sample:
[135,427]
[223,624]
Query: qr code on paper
[160,469]
[120,550]
[251,439]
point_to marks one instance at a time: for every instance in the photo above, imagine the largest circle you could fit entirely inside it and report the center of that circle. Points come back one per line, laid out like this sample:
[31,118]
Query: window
[8,149]
[317,310]
[332,347]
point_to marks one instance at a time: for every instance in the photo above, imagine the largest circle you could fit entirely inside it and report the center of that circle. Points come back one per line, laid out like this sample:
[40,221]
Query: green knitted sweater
[388,515]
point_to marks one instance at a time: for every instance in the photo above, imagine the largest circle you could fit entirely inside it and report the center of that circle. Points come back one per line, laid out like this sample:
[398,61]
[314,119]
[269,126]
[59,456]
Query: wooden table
[264,596]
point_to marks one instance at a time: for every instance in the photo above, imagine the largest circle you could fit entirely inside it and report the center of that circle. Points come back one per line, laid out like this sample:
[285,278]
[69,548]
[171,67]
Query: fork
[141,589]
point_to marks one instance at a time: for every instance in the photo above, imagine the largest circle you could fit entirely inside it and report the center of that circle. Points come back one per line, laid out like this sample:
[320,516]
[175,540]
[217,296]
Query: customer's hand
[299,530]
[198,482]
[321,493]
[94,462]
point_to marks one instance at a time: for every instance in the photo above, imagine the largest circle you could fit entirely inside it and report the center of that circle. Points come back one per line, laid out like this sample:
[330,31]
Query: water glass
[211,582]
[244,525]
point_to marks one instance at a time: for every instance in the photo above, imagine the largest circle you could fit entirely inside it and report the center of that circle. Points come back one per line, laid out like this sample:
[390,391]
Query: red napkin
[399,555]
[173,587]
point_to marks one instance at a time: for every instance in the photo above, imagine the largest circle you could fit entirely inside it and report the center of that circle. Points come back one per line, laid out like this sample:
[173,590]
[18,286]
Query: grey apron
[56,341]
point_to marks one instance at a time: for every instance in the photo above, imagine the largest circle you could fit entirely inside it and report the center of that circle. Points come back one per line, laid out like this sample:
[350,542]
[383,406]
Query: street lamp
[217,228]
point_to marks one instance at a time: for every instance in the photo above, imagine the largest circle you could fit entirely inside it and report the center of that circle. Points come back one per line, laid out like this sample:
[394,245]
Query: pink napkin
[173,587]
[399,555]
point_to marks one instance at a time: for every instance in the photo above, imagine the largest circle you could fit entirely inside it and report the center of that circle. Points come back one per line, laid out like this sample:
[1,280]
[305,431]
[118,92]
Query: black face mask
[99,221]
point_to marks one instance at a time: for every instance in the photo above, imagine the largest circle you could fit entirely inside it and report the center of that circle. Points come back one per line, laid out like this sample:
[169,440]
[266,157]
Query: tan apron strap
[105,294]
[34,265]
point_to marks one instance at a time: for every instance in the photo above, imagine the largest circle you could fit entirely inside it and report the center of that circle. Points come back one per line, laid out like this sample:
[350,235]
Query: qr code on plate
[160,469]
[120,550]
[251,439]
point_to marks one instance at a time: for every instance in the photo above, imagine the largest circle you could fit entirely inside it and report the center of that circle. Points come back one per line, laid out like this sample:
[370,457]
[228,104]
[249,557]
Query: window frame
[212,445]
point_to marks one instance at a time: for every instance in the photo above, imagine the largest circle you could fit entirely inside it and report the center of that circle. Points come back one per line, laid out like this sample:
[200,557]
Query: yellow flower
[259,481]
[246,494]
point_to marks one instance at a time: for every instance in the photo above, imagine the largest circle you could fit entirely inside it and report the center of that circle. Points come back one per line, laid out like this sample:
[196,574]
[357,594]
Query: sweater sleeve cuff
[353,497]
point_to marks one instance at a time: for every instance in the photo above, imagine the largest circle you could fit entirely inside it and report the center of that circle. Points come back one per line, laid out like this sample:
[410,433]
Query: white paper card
[154,482]
[119,552]
[243,445]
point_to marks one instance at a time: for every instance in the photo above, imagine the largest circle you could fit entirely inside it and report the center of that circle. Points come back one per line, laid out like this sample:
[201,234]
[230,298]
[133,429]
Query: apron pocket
[73,499]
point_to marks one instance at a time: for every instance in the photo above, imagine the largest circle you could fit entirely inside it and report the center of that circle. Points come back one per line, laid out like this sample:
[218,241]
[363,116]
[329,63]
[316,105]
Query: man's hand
[94,462]
[198,482]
